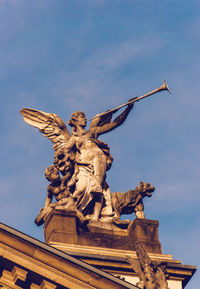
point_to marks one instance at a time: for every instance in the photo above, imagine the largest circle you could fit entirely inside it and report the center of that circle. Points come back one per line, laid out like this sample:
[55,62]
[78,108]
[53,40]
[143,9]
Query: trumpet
[164,86]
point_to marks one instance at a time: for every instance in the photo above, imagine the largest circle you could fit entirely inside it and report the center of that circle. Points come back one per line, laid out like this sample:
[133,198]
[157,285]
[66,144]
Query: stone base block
[146,232]
[63,227]
[60,226]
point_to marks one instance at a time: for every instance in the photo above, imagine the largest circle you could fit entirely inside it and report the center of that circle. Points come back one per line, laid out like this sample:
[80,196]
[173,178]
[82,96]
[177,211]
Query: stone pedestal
[106,246]
[63,227]
[60,226]
[146,232]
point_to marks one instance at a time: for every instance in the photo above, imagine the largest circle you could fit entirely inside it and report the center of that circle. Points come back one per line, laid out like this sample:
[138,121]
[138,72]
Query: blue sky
[62,56]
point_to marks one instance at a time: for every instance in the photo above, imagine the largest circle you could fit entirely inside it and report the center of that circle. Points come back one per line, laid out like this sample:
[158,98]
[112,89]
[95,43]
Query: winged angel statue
[81,159]
[152,275]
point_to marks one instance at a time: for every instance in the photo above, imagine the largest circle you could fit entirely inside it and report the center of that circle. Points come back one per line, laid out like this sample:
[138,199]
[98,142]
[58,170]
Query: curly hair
[74,118]
[49,171]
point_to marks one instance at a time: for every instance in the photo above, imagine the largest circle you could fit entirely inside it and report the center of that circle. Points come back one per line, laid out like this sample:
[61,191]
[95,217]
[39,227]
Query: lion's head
[145,189]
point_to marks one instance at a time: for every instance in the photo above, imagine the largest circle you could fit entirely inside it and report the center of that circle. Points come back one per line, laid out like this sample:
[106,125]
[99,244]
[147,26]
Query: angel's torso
[87,148]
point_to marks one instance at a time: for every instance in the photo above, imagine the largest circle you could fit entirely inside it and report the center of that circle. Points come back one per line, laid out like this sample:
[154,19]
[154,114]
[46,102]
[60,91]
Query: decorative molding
[10,278]
[44,285]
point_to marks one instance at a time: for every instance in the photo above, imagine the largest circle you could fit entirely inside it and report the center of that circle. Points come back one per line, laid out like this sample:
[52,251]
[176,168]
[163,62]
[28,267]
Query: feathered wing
[145,262]
[49,124]
[134,263]
[143,258]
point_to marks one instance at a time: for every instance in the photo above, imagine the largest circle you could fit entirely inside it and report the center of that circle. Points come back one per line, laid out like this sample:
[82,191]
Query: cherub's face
[55,176]
[82,120]
[52,175]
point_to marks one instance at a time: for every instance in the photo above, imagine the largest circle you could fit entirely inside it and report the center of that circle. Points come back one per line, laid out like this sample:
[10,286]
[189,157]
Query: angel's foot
[140,284]
[83,220]
[140,215]
[121,222]
[88,217]
[53,205]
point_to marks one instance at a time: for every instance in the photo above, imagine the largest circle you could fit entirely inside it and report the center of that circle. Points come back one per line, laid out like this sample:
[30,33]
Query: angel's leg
[98,201]
[99,164]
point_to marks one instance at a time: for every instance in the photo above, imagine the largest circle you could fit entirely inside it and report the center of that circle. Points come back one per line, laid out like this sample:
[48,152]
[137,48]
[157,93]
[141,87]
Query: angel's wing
[143,258]
[49,124]
[134,263]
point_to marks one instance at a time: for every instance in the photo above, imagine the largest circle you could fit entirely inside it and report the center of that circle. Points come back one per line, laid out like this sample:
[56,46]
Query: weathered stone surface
[61,226]
[28,263]
[78,174]
[80,158]
[131,201]
[151,275]
[64,227]
[146,232]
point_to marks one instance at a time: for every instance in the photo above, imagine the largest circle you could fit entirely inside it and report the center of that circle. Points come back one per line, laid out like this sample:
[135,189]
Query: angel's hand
[53,205]
[131,104]
[72,181]
[133,98]
[97,115]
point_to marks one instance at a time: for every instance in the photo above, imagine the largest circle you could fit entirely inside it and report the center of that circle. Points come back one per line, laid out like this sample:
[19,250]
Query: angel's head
[78,118]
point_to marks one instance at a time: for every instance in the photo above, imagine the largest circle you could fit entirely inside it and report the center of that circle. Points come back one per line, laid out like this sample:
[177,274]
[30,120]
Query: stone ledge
[107,253]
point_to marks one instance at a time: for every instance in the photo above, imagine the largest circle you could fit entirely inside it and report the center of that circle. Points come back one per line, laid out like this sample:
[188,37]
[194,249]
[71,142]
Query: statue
[58,190]
[82,160]
[131,201]
[152,275]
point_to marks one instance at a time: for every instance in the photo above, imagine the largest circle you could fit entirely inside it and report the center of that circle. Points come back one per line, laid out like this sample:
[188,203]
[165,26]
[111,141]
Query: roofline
[63,255]
[170,263]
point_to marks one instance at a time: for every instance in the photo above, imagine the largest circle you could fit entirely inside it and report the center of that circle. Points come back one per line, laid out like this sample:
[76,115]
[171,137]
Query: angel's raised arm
[108,125]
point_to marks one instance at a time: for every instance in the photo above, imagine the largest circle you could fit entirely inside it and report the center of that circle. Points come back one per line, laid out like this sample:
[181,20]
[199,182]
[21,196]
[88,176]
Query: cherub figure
[58,190]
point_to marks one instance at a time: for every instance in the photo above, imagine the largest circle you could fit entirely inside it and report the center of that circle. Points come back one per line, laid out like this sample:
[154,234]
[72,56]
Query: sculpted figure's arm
[49,197]
[115,123]
[71,142]
[39,220]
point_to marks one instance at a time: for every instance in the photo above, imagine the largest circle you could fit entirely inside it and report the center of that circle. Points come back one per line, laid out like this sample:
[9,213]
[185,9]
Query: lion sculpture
[131,201]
